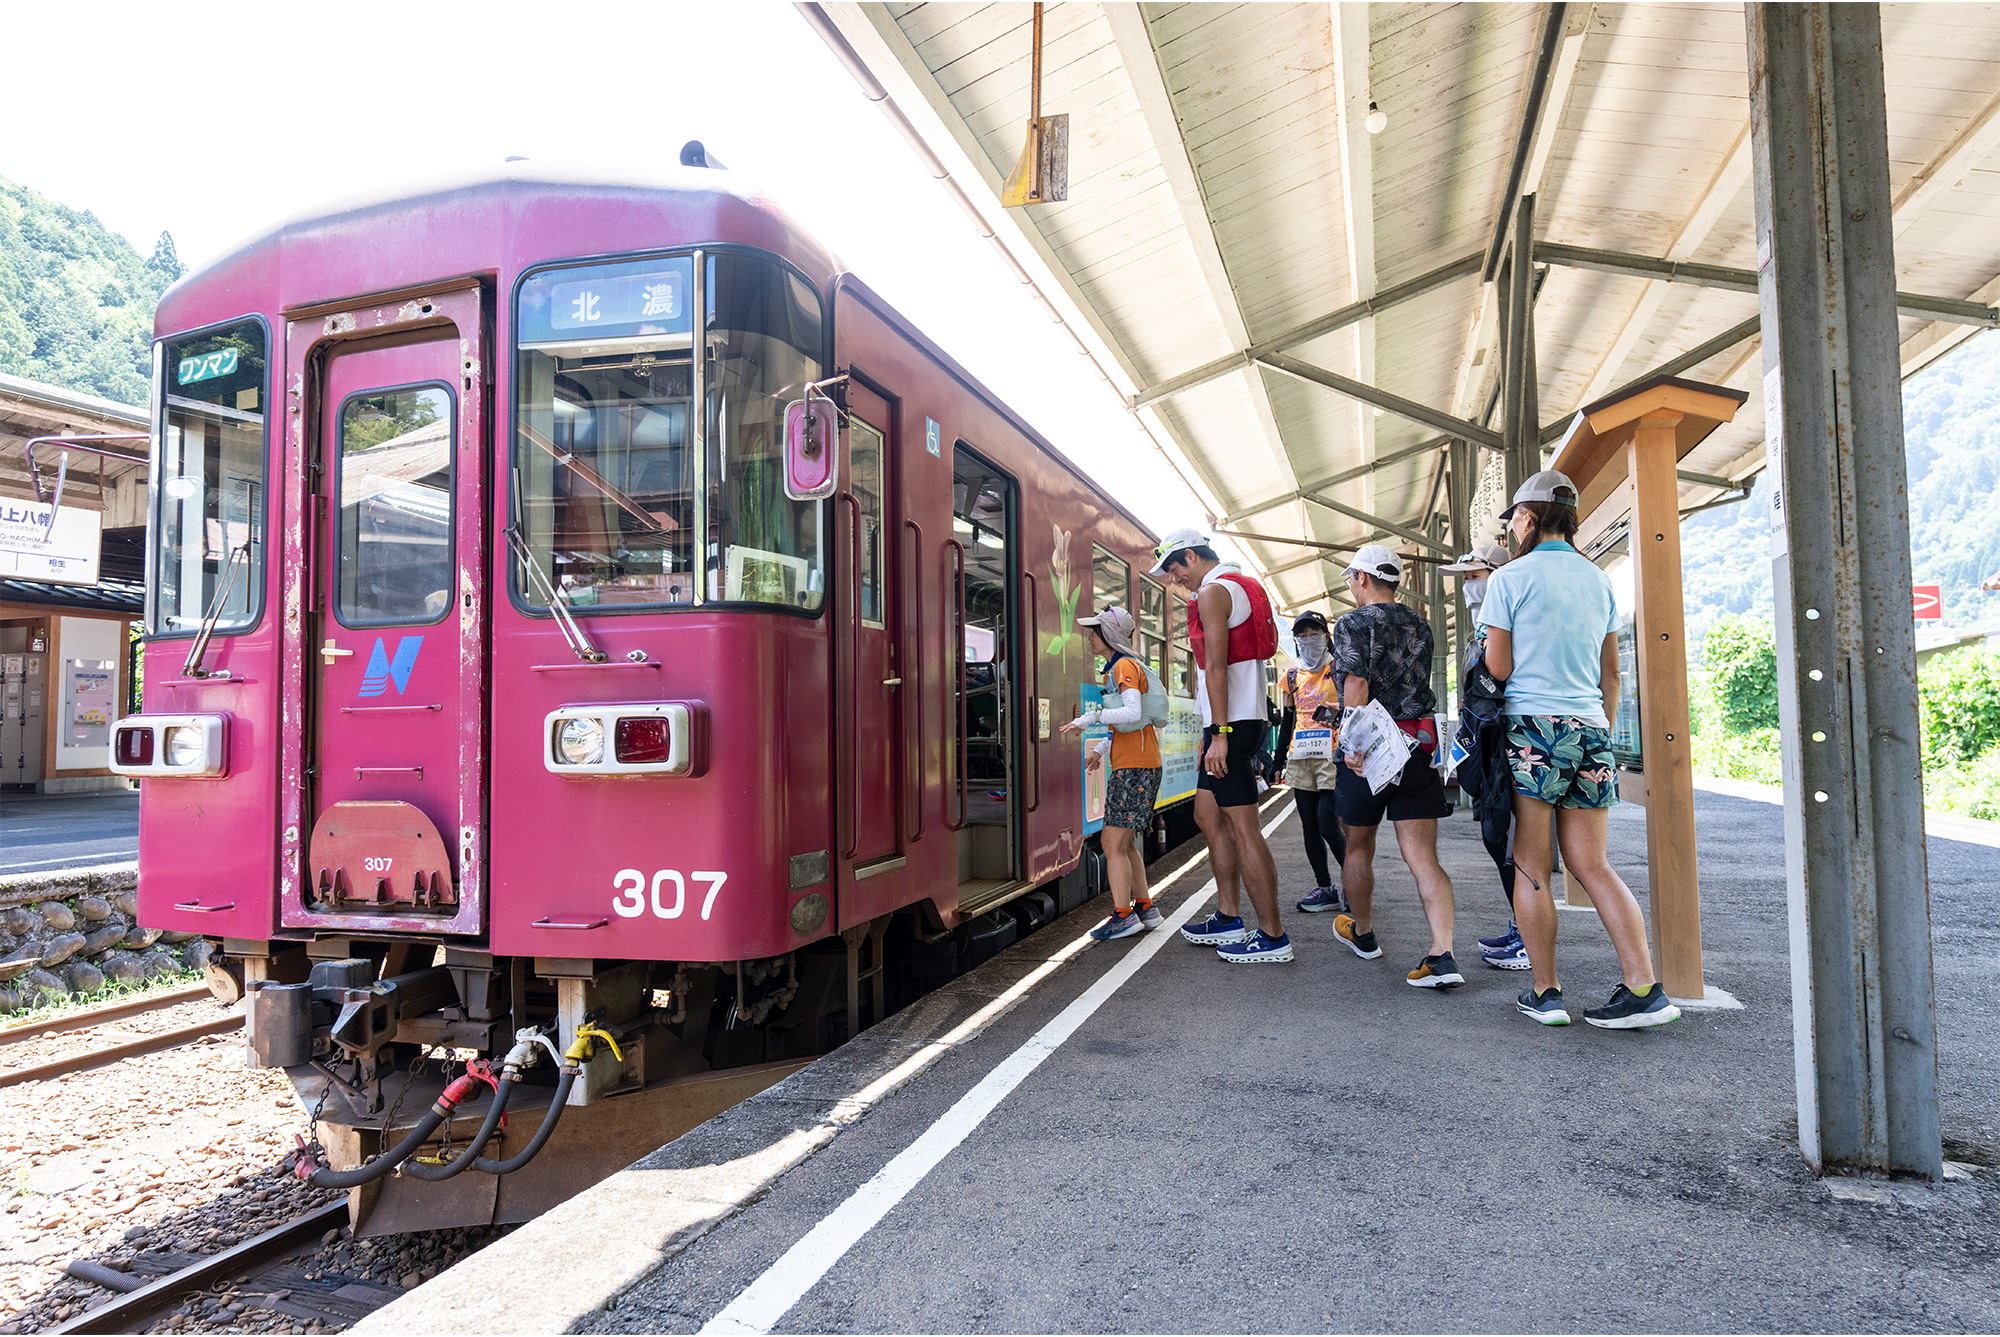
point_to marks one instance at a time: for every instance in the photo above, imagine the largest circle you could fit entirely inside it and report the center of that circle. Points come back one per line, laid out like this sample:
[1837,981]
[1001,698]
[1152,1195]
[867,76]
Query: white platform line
[766,1300]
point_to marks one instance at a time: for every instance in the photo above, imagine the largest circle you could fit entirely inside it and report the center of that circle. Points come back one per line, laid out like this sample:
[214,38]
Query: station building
[72,587]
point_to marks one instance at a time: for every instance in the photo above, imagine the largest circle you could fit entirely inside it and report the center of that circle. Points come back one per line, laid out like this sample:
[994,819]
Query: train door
[394,661]
[986,804]
[871,714]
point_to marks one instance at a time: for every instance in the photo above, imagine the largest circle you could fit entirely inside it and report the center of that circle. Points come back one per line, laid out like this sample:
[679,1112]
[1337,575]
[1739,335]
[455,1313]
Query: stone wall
[65,937]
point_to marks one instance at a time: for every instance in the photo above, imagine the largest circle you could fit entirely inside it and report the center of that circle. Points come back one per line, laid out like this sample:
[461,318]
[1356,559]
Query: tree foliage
[1959,704]
[1741,657]
[76,300]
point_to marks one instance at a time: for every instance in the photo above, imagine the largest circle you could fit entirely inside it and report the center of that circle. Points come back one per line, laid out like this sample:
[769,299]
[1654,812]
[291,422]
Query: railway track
[261,1272]
[99,1055]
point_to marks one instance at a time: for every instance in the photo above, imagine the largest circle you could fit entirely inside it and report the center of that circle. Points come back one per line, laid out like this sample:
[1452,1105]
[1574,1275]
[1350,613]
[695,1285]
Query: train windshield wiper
[192,667]
[541,585]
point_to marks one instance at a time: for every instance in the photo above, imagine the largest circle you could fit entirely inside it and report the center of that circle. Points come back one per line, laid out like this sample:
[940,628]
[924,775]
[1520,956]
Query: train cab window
[864,454]
[604,464]
[395,520]
[764,332]
[1110,579]
[210,524]
[1152,619]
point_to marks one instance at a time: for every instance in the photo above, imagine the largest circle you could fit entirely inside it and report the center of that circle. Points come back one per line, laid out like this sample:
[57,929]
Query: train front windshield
[627,495]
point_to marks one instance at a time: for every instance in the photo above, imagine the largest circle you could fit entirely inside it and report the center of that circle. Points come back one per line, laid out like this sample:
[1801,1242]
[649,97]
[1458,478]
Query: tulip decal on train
[1065,637]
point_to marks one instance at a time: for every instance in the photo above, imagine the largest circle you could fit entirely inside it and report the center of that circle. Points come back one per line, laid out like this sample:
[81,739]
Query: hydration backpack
[1154,697]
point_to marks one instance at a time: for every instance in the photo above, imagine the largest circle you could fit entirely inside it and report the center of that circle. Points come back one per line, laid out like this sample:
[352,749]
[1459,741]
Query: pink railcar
[500,680]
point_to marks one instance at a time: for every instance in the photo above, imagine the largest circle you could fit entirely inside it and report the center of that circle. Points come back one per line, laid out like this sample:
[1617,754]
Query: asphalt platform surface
[41,833]
[1322,1147]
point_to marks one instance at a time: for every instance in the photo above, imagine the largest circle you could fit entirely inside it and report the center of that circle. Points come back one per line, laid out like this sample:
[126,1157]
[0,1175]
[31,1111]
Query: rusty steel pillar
[1864,1026]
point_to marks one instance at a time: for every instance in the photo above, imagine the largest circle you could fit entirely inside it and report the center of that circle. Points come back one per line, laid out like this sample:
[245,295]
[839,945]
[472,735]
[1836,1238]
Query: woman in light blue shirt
[1552,637]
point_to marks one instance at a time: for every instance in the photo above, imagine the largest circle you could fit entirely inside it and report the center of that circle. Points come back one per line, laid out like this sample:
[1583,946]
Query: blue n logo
[381,670]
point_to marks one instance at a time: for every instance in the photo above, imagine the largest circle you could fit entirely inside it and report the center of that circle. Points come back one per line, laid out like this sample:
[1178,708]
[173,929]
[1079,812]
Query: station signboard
[32,549]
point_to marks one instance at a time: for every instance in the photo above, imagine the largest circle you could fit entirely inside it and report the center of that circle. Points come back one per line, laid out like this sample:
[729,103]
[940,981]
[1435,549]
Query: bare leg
[1221,851]
[1534,906]
[1260,871]
[1418,843]
[1137,863]
[1117,861]
[1585,833]
[1357,870]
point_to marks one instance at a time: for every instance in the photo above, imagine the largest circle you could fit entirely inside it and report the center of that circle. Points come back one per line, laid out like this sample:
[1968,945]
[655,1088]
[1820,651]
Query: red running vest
[1255,637]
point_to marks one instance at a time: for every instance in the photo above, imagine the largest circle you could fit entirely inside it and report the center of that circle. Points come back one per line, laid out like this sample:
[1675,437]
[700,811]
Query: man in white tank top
[1225,800]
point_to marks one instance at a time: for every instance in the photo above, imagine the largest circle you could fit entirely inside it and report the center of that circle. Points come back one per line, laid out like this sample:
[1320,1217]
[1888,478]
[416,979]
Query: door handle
[331,651]
[892,682]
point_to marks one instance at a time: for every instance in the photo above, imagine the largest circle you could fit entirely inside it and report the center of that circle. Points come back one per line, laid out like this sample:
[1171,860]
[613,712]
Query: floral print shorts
[1129,800]
[1562,761]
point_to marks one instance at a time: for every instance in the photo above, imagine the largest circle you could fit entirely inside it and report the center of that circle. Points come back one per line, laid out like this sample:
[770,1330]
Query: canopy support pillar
[1863,998]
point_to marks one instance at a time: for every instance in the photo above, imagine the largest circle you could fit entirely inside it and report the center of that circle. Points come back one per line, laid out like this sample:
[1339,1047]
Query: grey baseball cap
[1487,557]
[1548,485]
[1375,560]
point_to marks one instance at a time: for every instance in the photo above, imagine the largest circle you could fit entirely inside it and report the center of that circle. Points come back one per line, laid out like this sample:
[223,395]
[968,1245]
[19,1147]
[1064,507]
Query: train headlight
[579,741]
[184,750]
[627,738]
[180,746]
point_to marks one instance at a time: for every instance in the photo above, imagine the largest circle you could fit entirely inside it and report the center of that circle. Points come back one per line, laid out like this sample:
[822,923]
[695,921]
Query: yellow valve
[580,1047]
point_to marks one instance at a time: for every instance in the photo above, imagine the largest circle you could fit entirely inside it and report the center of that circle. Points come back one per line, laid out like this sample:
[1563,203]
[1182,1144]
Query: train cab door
[869,671]
[394,654]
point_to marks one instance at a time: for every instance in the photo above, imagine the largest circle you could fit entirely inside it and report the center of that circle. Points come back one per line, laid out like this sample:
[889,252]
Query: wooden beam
[1672,875]
[1967,150]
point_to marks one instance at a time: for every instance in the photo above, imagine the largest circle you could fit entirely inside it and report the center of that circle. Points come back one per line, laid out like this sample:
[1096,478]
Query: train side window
[210,480]
[396,506]
[1110,580]
[1180,668]
[864,453]
[1152,619]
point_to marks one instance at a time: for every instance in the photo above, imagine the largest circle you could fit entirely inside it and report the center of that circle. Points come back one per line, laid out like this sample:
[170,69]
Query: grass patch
[110,993]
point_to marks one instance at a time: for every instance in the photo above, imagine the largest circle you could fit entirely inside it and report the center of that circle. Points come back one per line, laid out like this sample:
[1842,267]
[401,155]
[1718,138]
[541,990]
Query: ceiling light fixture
[1378,120]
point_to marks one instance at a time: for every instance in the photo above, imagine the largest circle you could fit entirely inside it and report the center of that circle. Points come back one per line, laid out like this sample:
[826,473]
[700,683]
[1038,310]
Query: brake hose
[368,1172]
[542,1134]
[463,1161]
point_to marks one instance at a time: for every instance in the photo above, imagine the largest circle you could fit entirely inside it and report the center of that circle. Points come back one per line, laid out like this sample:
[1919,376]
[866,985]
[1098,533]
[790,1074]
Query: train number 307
[630,902]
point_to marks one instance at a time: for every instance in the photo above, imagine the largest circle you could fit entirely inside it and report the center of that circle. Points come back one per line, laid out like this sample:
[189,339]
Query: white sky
[210,121]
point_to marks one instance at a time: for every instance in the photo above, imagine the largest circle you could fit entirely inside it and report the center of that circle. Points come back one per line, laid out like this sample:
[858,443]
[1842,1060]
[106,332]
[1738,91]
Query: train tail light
[183,746]
[649,738]
[644,740]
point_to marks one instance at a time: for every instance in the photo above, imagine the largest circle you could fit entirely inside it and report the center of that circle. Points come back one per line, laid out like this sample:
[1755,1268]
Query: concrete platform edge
[564,1266]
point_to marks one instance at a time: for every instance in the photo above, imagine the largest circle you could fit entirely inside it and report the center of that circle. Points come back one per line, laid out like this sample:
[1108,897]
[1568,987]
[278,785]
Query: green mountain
[1951,438]
[76,300]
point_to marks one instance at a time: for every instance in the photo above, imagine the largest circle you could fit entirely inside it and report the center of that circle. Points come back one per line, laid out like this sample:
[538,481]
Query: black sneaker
[1545,1007]
[1627,1011]
[1436,972]
[1362,944]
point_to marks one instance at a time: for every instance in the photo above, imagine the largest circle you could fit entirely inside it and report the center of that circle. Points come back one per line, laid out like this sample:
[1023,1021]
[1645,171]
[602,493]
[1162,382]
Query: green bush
[1968,788]
[1959,705]
[1752,756]
[1740,656]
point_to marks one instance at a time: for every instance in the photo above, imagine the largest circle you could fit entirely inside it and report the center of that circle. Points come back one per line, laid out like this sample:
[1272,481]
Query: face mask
[1312,651]
[1475,594]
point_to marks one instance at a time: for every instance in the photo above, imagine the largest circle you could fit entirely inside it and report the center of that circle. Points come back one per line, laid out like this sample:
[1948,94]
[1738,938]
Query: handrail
[959,777]
[914,670]
[69,443]
[1034,710]
[851,634]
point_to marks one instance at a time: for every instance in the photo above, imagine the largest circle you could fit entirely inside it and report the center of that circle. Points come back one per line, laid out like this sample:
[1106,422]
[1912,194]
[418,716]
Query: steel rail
[128,1313]
[93,1016]
[99,1057]
[1524,142]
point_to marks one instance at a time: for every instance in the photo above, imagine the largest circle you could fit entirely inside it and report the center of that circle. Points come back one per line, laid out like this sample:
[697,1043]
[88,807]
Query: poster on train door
[1096,780]
[1180,751]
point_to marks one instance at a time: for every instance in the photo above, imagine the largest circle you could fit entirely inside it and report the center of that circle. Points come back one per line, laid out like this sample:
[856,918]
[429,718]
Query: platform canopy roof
[1234,233]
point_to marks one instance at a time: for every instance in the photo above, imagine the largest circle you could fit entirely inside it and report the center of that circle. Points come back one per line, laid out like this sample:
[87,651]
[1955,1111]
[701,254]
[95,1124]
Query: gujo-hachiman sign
[64,553]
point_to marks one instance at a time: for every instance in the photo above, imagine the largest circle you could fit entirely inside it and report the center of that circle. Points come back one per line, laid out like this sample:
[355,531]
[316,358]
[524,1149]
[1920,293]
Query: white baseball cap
[1113,617]
[1178,541]
[1375,560]
[1488,557]
[1548,485]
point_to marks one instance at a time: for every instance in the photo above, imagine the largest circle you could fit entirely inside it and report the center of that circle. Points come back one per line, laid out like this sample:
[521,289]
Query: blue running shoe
[1119,926]
[1258,950]
[1510,938]
[1149,914]
[1323,899]
[1216,930]
[1508,958]
[1545,1007]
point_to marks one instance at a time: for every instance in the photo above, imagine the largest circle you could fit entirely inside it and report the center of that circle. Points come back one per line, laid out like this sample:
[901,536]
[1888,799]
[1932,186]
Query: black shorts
[1238,789]
[1418,796]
